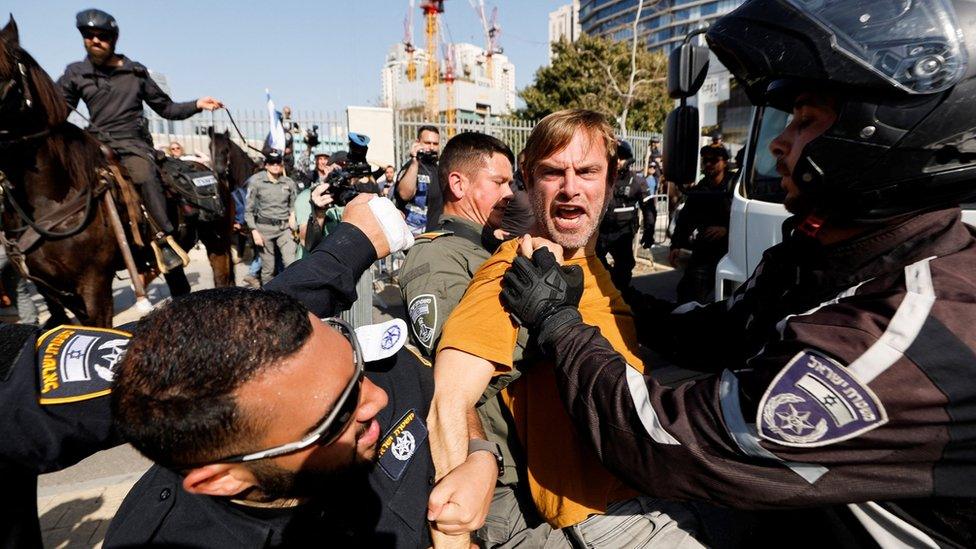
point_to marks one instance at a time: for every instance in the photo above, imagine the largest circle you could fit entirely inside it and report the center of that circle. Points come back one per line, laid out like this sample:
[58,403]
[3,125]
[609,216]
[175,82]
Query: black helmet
[904,139]
[273,157]
[96,19]
[624,150]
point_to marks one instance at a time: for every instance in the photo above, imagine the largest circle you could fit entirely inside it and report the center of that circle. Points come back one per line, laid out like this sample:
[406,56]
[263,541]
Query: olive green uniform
[435,275]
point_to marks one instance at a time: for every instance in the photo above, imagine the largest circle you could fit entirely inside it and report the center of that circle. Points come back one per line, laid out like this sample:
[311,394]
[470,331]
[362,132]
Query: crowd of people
[514,404]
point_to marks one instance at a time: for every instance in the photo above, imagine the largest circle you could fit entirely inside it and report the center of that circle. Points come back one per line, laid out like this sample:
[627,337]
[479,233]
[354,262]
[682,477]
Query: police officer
[619,224]
[270,212]
[55,412]
[338,443]
[701,227]
[418,192]
[114,88]
[477,171]
[844,364]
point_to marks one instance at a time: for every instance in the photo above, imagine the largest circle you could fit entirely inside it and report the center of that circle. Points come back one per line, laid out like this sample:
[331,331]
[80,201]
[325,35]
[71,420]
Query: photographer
[418,193]
[348,175]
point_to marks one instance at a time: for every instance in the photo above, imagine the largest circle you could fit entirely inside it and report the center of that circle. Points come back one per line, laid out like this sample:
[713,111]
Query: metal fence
[254,124]
[513,132]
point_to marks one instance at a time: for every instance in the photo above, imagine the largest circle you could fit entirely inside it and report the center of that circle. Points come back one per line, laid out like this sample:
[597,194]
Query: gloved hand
[541,294]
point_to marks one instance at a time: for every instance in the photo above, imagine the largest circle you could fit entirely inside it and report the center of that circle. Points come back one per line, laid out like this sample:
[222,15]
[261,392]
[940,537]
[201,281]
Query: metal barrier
[254,124]
[512,131]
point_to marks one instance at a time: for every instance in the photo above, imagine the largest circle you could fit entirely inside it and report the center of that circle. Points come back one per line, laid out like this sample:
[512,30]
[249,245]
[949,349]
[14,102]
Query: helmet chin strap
[808,177]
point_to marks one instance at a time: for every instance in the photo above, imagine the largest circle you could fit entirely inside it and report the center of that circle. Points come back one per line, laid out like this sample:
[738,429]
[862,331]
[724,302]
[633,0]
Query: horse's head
[29,99]
[230,162]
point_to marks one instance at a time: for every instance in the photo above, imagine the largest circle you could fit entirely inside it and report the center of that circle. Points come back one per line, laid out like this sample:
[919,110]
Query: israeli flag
[276,137]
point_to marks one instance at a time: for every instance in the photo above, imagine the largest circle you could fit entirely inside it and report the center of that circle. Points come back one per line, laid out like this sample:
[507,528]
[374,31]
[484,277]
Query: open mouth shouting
[569,217]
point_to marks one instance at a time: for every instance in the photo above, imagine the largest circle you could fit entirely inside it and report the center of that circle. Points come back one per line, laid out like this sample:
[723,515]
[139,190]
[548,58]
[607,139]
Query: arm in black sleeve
[325,279]
[160,102]
[68,89]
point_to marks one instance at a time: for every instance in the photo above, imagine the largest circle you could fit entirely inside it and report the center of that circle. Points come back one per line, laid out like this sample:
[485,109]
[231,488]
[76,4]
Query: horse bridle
[17,82]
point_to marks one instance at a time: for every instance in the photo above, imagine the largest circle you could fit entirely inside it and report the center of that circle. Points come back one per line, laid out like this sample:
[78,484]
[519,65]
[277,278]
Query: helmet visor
[917,45]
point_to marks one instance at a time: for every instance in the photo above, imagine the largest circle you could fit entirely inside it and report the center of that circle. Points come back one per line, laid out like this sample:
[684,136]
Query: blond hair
[554,133]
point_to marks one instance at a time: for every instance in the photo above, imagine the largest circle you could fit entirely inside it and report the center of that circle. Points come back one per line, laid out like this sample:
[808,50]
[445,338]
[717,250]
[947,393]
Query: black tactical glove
[542,295]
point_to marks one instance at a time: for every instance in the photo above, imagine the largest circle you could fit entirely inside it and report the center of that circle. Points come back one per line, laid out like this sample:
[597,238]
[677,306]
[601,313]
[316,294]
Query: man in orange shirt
[569,168]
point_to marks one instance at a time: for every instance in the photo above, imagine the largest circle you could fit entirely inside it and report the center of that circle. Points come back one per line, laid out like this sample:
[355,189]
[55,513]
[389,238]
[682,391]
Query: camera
[427,157]
[346,182]
[312,137]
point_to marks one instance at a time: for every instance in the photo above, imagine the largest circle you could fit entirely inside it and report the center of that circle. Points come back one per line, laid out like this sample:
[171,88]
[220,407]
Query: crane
[432,10]
[449,68]
[408,43]
[492,32]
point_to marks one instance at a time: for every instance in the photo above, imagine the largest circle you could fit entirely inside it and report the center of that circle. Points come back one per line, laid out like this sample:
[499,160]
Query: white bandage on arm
[394,227]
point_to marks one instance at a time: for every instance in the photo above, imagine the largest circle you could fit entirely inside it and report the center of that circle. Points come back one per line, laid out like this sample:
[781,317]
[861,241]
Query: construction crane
[492,32]
[408,43]
[432,10]
[449,68]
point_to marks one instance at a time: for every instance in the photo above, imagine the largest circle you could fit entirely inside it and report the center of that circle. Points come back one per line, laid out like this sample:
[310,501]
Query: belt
[268,221]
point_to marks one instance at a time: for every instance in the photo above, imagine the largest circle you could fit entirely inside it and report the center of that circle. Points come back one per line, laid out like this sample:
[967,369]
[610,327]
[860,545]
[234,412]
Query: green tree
[595,73]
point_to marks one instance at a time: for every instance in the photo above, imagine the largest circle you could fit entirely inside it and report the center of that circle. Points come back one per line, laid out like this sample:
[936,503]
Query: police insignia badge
[814,401]
[423,319]
[77,363]
[400,443]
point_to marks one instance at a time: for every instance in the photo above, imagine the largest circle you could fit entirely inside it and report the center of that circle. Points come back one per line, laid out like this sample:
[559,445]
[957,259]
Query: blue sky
[315,55]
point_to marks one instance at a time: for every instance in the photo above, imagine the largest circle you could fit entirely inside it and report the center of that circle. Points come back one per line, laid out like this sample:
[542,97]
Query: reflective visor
[917,45]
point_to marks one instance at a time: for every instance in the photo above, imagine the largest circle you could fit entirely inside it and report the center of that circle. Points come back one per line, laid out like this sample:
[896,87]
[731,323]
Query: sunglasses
[103,36]
[335,422]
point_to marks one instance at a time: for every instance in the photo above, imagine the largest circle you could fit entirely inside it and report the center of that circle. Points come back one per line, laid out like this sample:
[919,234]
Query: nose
[570,186]
[507,192]
[374,400]
[780,146]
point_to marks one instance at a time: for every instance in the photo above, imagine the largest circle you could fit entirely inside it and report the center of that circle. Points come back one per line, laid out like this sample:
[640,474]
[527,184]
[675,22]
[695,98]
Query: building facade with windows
[564,24]
[664,23]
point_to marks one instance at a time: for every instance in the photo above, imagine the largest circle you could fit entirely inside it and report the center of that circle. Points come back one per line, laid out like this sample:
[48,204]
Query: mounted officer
[113,88]
[619,223]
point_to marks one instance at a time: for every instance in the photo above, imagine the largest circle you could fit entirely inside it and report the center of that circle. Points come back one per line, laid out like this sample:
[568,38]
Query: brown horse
[53,174]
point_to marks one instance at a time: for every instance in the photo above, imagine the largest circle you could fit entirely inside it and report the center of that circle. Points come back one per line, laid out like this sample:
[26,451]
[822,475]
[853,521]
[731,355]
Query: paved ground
[77,504]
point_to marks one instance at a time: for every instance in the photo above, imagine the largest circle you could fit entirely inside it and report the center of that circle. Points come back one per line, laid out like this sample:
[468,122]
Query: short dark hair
[467,151]
[709,150]
[427,128]
[173,396]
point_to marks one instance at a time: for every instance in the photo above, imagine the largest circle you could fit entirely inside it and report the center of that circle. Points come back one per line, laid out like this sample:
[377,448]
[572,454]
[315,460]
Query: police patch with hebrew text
[423,319]
[76,363]
[399,444]
[814,401]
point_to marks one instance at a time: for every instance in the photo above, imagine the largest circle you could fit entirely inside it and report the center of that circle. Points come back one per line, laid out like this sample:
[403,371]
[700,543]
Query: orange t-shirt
[566,479]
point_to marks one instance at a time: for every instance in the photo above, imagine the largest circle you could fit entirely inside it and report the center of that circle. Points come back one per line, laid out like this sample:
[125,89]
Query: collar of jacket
[878,252]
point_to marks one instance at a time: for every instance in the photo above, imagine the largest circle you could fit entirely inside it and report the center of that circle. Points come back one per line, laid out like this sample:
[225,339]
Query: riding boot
[169,254]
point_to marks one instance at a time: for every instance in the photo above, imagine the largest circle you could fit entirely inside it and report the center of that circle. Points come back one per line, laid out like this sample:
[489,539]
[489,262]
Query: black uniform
[847,376]
[619,225]
[114,96]
[705,206]
[384,507]
[55,409]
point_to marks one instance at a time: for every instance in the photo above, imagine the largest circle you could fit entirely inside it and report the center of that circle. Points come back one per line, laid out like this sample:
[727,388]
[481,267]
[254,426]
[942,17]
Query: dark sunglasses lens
[346,413]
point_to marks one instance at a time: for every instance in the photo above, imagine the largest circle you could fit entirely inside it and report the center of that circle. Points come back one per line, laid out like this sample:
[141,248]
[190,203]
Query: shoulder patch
[400,443]
[814,401]
[78,363]
[423,319]
[433,235]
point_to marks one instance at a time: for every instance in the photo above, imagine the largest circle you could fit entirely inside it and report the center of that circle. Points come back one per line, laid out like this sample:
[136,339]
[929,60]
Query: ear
[10,34]
[210,131]
[456,183]
[227,133]
[219,479]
